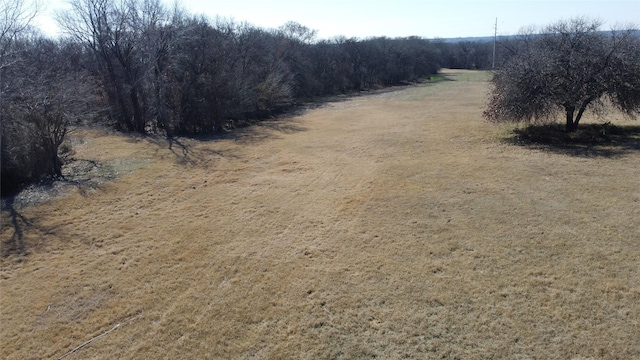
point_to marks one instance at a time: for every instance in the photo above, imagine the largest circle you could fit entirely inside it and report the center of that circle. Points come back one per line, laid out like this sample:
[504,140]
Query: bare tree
[570,68]
[43,97]
[15,19]
[105,27]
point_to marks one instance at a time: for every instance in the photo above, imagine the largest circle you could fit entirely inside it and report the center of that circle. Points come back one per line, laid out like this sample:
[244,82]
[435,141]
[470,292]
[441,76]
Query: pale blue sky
[428,19]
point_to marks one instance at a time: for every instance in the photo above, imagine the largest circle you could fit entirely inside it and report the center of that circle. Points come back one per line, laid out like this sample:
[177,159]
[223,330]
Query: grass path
[392,225]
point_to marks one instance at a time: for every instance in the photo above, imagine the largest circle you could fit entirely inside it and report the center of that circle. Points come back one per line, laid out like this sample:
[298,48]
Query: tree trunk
[163,119]
[138,119]
[571,125]
[583,107]
[57,166]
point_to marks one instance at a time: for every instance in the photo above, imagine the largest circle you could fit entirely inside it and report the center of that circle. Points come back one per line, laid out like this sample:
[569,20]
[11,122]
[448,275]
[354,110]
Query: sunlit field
[395,224]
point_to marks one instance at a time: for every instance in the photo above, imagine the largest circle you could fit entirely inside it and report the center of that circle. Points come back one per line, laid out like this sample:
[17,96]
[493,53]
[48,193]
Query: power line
[495,36]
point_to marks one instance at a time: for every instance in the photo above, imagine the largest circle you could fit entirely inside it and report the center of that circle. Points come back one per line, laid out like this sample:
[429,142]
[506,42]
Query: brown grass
[393,225]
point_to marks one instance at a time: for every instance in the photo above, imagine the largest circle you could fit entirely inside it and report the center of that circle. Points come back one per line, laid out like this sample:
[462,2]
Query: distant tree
[473,55]
[202,91]
[570,68]
[295,42]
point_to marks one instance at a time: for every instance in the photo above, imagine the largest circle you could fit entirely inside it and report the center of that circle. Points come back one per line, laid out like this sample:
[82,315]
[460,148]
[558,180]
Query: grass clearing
[391,225]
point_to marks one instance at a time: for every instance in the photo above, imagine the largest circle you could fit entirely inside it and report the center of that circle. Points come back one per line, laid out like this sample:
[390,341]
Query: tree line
[141,67]
[470,55]
[138,66]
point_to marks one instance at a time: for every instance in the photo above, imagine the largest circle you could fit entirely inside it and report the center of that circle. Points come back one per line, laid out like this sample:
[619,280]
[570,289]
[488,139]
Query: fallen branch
[96,337]
[88,342]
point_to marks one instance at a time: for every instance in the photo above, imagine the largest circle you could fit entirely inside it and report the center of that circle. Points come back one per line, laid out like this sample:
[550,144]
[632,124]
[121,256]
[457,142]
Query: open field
[391,225]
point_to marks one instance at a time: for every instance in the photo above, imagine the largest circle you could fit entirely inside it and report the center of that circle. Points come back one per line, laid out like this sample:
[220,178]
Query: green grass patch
[467,75]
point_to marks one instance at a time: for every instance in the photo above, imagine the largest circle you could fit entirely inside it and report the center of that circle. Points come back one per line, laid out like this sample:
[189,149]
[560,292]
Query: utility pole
[495,36]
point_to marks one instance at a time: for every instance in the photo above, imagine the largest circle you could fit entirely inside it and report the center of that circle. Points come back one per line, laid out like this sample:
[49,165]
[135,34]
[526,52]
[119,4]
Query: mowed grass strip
[391,225]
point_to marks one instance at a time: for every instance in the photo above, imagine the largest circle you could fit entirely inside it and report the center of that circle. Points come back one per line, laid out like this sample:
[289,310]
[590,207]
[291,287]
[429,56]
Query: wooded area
[137,66]
[140,67]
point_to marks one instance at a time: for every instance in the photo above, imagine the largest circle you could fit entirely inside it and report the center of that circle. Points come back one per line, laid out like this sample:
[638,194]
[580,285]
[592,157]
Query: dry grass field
[390,225]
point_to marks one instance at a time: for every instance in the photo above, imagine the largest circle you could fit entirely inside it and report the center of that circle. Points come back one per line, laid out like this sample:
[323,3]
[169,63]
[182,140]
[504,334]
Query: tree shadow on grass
[14,244]
[19,224]
[187,151]
[20,233]
[590,140]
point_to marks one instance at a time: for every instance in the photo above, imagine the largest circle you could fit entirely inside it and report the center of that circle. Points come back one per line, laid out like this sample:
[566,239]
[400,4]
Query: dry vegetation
[392,225]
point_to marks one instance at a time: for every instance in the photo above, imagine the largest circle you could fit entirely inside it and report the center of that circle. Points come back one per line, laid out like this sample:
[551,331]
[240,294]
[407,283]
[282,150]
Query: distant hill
[490,38]
[465,39]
